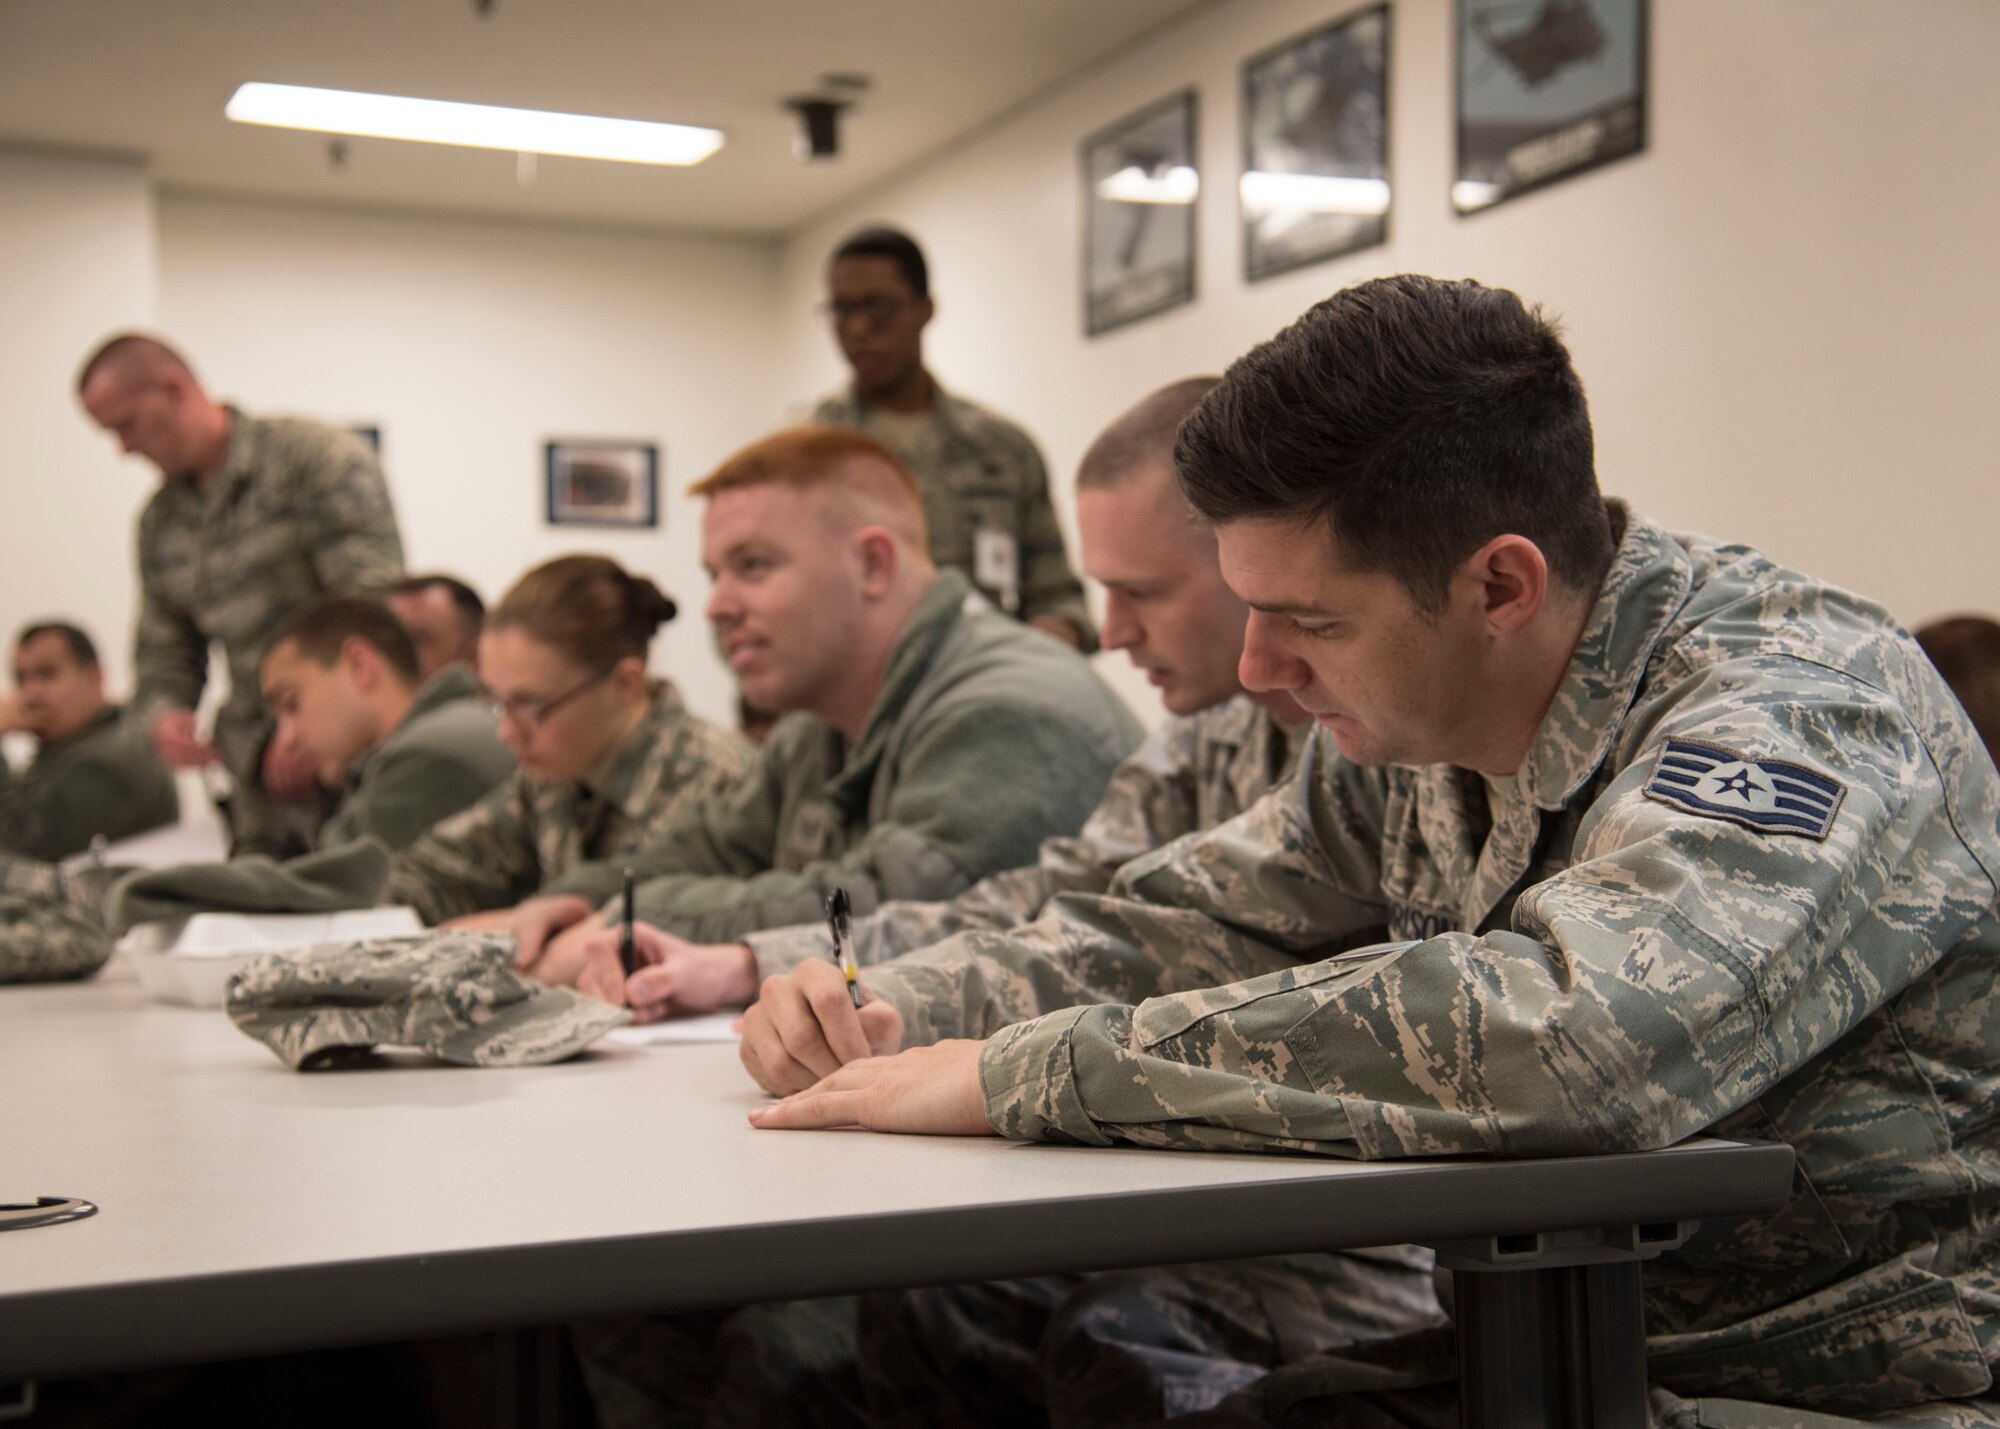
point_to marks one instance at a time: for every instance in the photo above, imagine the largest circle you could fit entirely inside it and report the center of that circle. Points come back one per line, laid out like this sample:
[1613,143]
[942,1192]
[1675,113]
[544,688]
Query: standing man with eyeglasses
[984,487]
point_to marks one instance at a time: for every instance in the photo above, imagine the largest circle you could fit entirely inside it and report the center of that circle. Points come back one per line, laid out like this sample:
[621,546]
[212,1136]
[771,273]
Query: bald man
[444,616]
[928,741]
[254,519]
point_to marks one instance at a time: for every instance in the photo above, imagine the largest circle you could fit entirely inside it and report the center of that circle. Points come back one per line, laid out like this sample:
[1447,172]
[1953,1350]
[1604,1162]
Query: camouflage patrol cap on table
[455,995]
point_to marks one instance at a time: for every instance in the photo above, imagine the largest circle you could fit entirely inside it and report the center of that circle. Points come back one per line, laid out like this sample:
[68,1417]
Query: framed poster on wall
[1315,179]
[1140,184]
[603,483]
[1546,90]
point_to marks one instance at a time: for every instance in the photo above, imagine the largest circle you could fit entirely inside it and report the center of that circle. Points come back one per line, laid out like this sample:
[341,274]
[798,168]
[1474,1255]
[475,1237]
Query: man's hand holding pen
[805,1026]
[671,977]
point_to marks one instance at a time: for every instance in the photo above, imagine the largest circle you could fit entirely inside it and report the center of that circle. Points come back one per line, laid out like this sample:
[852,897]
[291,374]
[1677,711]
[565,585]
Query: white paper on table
[712,1027]
[221,935]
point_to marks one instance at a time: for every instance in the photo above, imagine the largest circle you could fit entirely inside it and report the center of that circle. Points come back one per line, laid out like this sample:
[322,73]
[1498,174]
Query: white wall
[470,343]
[1786,310]
[76,249]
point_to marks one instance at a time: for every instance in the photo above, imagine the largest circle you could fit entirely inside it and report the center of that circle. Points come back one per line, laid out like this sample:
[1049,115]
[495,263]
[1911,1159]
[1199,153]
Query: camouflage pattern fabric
[1409,1383]
[1130,1345]
[104,780]
[453,995]
[442,756]
[51,928]
[979,472]
[529,832]
[439,758]
[298,510]
[984,739]
[1193,772]
[1100,1349]
[1599,966]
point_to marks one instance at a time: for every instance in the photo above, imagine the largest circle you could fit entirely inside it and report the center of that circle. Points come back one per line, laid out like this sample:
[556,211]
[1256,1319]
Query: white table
[247,1208]
[198,838]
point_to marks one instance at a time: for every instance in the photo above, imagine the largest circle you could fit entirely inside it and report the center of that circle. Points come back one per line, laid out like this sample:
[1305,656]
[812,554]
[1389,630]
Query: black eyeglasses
[531,714]
[870,312]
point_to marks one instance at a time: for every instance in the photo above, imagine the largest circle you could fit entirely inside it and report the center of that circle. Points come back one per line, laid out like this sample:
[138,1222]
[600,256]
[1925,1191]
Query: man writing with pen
[1168,608]
[927,742]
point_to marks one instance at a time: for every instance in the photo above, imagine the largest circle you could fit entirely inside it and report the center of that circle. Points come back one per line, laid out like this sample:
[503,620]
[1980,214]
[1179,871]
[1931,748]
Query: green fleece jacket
[985,738]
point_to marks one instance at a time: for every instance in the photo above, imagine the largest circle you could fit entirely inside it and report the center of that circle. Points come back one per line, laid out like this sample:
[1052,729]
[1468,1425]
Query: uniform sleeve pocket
[1161,1018]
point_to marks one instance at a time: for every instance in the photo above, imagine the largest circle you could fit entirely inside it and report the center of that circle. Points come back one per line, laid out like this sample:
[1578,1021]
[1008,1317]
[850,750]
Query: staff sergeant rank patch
[1768,795]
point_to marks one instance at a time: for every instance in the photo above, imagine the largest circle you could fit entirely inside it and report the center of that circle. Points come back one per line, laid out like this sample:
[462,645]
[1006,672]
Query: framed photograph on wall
[1546,90]
[1140,183]
[603,483]
[1315,178]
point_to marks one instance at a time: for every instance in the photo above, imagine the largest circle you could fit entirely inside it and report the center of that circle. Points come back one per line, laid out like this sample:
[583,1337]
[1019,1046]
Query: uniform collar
[616,776]
[934,617]
[103,719]
[1647,585]
[953,415]
[453,682]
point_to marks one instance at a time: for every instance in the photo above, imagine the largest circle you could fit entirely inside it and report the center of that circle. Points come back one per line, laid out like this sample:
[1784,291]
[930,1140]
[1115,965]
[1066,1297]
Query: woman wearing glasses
[606,755]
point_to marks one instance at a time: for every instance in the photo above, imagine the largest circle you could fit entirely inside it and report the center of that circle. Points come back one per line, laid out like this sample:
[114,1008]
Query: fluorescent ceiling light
[479,126]
[1469,194]
[1133,184]
[1313,193]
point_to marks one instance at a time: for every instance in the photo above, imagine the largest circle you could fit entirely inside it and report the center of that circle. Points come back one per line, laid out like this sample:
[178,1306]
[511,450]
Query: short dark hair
[321,630]
[147,355]
[1143,434]
[463,597]
[1966,651]
[1417,419]
[82,649]
[895,245]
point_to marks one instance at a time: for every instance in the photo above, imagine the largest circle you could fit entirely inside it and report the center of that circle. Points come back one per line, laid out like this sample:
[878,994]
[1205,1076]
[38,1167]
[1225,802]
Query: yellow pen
[840,922]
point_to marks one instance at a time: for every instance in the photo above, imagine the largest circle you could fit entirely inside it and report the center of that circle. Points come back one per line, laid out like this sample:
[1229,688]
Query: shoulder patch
[1771,796]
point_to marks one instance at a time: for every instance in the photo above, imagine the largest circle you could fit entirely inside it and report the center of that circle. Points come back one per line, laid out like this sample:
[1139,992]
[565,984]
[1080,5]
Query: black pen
[840,921]
[626,953]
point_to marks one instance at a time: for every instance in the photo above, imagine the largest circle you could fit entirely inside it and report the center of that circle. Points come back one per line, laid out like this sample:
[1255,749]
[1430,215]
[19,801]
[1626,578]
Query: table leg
[1560,1347]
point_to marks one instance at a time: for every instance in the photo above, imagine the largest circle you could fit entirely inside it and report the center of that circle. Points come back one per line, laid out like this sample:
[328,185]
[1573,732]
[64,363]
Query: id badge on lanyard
[996,565]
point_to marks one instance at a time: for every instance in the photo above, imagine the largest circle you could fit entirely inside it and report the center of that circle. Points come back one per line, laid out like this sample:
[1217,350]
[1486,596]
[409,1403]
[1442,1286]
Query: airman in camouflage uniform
[1672,841]
[530,832]
[983,740]
[298,510]
[103,780]
[969,1352]
[1716,963]
[985,490]
[982,477]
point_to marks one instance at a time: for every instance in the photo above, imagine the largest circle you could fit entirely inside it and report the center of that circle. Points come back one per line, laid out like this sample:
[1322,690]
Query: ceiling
[150,77]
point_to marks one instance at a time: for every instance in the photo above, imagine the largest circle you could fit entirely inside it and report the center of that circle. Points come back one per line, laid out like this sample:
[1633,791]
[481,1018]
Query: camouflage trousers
[1125,1347]
[1116,1348]
[790,1363]
[1410,1383]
